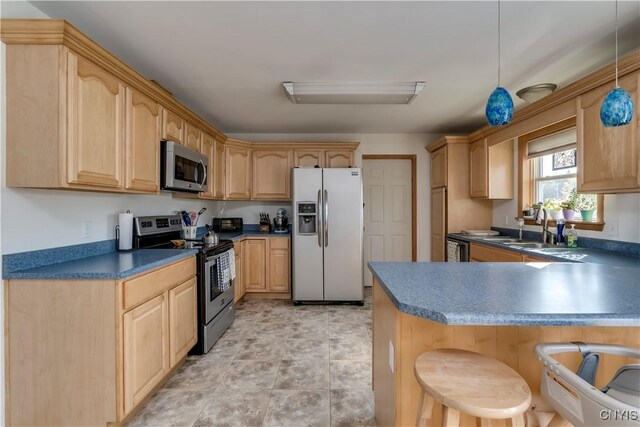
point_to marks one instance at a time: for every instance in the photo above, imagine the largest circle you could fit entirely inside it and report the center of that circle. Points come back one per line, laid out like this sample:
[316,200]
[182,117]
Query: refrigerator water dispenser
[307,218]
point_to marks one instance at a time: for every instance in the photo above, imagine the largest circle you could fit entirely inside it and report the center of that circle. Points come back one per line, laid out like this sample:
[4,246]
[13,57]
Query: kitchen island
[501,310]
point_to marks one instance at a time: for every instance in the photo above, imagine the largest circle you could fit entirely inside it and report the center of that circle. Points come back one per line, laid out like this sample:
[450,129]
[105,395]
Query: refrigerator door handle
[318,219]
[326,218]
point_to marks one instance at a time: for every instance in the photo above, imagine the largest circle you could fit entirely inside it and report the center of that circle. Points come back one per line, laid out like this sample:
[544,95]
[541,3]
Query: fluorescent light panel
[352,93]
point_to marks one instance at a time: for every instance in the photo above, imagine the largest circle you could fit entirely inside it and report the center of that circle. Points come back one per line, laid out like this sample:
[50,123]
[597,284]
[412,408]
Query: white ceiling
[226,60]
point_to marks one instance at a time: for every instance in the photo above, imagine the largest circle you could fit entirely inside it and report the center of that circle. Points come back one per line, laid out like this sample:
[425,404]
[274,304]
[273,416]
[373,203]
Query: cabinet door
[254,252]
[191,136]
[172,126]
[218,172]
[308,158]
[207,147]
[279,264]
[500,170]
[338,158]
[237,170]
[271,174]
[438,224]
[608,158]
[95,125]
[146,342]
[478,178]
[183,332]
[238,291]
[439,168]
[143,127]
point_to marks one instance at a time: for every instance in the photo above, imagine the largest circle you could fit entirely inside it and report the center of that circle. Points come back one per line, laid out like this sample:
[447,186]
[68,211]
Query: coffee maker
[281,222]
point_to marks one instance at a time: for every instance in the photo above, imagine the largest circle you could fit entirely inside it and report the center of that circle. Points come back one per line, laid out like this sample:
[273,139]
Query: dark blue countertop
[583,255]
[114,265]
[555,294]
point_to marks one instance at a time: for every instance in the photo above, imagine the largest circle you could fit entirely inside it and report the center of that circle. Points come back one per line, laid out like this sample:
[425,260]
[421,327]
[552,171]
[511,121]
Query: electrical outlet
[86,229]
[612,227]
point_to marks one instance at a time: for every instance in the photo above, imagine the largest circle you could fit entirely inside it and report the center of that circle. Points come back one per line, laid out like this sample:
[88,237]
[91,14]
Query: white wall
[380,144]
[621,215]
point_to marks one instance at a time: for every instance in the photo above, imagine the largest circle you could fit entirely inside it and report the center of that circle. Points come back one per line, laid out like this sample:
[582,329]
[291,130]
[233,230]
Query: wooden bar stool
[470,383]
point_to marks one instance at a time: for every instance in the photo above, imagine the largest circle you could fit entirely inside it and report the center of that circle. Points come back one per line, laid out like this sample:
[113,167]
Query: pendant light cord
[617,44]
[499,43]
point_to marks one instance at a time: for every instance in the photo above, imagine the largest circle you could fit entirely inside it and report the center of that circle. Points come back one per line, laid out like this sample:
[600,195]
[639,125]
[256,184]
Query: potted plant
[569,205]
[536,208]
[587,203]
[552,206]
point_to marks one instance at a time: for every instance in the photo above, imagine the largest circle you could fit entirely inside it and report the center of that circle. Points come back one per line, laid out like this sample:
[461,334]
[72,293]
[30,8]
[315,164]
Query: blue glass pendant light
[617,107]
[499,110]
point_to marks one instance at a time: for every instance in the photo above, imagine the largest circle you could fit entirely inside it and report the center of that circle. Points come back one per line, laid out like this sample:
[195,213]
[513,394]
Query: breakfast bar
[498,309]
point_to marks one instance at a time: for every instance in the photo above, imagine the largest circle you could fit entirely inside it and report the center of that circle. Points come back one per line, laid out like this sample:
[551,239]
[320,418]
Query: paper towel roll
[125,222]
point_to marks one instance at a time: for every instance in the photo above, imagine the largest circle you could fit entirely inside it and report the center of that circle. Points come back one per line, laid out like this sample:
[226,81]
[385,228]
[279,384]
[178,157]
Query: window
[549,171]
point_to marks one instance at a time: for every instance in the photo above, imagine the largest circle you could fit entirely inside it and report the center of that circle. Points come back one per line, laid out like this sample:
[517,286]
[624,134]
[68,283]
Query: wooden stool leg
[450,417]
[517,421]
[424,413]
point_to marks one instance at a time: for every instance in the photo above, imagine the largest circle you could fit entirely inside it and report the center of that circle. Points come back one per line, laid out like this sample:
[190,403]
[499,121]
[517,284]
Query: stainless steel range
[215,304]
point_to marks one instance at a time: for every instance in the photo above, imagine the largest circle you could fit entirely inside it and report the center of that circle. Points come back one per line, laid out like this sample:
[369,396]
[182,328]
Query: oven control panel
[147,225]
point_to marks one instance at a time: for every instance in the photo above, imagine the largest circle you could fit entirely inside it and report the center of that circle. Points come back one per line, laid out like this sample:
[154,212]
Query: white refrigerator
[327,235]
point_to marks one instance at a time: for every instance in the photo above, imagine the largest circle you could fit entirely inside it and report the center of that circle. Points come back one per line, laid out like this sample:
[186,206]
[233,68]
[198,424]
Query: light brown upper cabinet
[237,170]
[215,171]
[439,168]
[142,142]
[95,124]
[218,172]
[207,146]
[172,126]
[79,118]
[271,174]
[338,158]
[191,136]
[608,158]
[308,158]
[491,170]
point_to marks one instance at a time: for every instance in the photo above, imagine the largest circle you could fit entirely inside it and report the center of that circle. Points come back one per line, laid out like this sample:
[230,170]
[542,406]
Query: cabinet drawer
[278,243]
[143,288]
[485,254]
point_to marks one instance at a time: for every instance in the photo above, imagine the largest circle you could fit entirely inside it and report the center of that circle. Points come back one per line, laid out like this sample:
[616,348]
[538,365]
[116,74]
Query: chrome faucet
[547,236]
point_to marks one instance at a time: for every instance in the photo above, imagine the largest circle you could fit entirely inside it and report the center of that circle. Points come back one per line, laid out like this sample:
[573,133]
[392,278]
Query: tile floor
[278,365]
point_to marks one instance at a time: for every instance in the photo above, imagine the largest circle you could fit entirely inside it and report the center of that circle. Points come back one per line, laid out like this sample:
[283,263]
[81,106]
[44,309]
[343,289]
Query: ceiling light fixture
[352,93]
[533,93]
[617,107]
[499,109]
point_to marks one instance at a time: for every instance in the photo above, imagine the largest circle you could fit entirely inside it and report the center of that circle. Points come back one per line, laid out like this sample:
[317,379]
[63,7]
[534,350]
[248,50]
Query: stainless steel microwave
[182,169]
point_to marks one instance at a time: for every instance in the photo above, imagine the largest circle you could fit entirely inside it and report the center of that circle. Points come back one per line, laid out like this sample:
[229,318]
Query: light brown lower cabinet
[267,265]
[238,286]
[90,352]
[481,253]
[146,360]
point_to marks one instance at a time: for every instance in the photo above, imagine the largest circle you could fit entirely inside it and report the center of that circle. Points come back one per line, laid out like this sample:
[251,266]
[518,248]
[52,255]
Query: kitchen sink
[502,239]
[528,245]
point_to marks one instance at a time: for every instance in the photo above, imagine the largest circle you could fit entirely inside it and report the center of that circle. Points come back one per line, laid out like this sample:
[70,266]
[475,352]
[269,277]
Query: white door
[387,212]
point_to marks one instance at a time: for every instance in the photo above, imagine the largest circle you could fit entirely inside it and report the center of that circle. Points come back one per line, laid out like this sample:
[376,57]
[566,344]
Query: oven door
[214,298]
[183,169]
